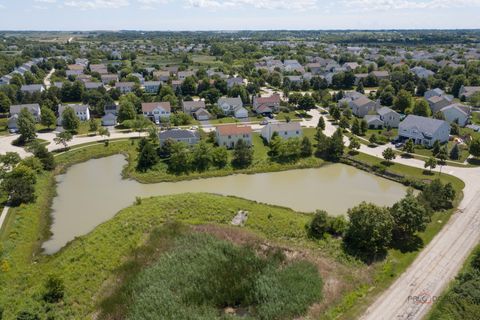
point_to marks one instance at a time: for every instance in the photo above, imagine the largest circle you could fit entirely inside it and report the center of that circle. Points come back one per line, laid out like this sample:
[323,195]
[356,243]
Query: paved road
[433,269]
[440,261]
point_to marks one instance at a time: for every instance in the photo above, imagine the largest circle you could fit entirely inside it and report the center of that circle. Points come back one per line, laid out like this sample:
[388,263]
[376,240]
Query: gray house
[233,106]
[33,108]
[362,106]
[424,131]
[189,137]
[109,119]
[390,117]
[458,113]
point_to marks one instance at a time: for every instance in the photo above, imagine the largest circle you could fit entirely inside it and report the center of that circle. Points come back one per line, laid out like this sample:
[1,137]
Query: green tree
[388,154]
[354,145]
[336,146]
[409,147]
[430,163]
[220,157]
[5,104]
[104,132]
[48,118]
[344,123]
[322,143]
[242,155]
[455,152]
[26,126]
[54,289]
[335,113]
[189,86]
[356,127]
[321,123]
[93,125]
[409,217]
[63,138]
[363,127]
[369,232]
[474,148]
[180,158]
[437,195]
[19,184]
[436,147]
[9,160]
[403,101]
[126,111]
[202,156]
[306,102]
[147,157]
[306,148]
[318,225]
[421,108]
[373,139]
[70,121]
[41,152]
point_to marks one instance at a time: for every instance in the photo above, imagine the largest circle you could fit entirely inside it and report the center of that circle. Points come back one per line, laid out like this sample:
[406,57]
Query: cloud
[45,1]
[385,5]
[97,4]
[258,4]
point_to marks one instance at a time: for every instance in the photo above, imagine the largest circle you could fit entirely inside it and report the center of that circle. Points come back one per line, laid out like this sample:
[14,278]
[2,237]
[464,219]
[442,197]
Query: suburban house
[151,86]
[237,81]
[156,111]
[189,137]
[82,112]
[266,105]
[108,78]
[176,84]
[162,76]
[424,131]
[381,75]
[437,92]
[457,113]
[229,135]
[284,130]
[422,73]
[111,108]
[373,121]
[202,114]
[466,92]
[182,75]
[93,85]
[232,106]
[12,122]
[32,88]
[362,106]
[125,87]
[350,66]
[390,117]
[436,103]
[189,107]
[33,108]
[109,119]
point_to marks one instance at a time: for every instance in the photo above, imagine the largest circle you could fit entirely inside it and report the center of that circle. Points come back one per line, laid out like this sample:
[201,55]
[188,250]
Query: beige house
[229,135]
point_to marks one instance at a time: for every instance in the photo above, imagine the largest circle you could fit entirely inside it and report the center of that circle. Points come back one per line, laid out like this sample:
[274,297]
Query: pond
[92,192]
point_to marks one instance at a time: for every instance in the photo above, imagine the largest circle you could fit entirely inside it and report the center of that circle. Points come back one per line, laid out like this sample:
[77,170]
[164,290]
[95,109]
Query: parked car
[264,122]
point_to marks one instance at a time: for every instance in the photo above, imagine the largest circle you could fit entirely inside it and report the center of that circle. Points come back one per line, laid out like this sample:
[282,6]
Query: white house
[233,106]
[284,130]
[156,111]
[81,111]
[424,131]
[151,86]
[32,88]
[125,87]
[229,135]
[457,112]
[390,117]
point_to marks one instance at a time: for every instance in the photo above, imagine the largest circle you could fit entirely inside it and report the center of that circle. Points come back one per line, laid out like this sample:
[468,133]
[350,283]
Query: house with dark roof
[237,81]
[266,105]
[466,92]
[32,88]
[189,137]
[229,135]
[436,103]
[424,131]
[33,108]
[373,121]
[457,113]
[151,86]
[362,106]
[390,117]
[109,119]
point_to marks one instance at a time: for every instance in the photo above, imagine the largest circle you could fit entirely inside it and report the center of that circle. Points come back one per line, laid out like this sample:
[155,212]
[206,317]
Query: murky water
[93,192]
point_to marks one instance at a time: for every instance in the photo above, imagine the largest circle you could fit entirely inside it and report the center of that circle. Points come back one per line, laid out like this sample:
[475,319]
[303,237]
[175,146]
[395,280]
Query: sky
[193,15]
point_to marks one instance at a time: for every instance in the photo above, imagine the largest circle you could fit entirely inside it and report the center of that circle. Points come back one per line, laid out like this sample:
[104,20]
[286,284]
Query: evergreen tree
[321,123]
[455,152]
[147,157]
[306,150]
[242,155]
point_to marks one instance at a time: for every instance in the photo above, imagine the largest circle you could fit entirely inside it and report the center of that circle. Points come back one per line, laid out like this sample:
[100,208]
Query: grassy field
[88,264]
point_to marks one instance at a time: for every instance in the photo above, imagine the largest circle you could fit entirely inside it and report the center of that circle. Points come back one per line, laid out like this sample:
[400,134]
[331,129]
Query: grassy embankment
[84,274]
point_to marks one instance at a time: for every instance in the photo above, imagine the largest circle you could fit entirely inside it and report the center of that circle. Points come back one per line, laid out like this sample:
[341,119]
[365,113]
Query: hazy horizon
[236,15]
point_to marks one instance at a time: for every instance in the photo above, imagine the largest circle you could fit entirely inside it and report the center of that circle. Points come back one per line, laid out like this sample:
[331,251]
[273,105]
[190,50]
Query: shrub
[54,289]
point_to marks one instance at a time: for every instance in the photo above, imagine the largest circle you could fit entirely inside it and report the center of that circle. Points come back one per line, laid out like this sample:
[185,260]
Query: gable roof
[285,126]
[193,105]
[233,130]
[385,110]
[425,125]
[234,102]
[75,107]
[150,106]
[178,134]
[32,108]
